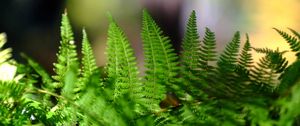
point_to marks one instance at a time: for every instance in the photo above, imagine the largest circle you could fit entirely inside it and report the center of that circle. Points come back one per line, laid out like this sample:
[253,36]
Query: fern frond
[245,64]
[67,52]
[88,60]
[191,45]
[269,67]
[121,67]
[291,40]
[208,49]
[89,67]
[227,82]
[290,75]
[228,58]
[190,58]
[67,61]
[297,34]
[160,61]
[245,58]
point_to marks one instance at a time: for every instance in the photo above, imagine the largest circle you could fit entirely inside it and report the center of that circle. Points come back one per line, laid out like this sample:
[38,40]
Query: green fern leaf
[291,40]
[67,54]
[160,61]
[191,45]
[208,49]
[297,34]
[88,60]
[65,72]
[228,58]
[190,57]
[89,67]
[227,81]
[269,67]
[245,59]
[121,67]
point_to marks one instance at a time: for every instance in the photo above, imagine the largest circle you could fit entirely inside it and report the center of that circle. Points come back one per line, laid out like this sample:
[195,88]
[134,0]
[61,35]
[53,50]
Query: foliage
[197,87]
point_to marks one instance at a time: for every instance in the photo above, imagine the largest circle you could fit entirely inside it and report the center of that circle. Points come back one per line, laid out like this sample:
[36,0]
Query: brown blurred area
[32,26]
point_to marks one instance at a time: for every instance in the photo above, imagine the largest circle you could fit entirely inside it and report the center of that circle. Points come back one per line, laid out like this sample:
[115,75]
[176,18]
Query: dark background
[32,27]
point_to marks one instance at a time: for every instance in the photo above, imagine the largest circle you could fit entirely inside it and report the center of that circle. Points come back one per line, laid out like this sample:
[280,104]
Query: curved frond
[291,40]
[67,54]
[297,34]
[208,49]
[121,67]
[269,67]
[160,61]
[245,58]
[88,60]
[190,55]
[228,58]
[89,67]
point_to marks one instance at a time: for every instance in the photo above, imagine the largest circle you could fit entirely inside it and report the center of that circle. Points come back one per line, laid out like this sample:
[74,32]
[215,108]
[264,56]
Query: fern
[245,59]
[269,67]
[234,92]
[121,67]
[160,61]
[190,58]
[292,41]
[290,76]
[66,62]
[67,52]
[245,64]
[191,45]
[208,52]
[226,66]
[228,58]
[88,60]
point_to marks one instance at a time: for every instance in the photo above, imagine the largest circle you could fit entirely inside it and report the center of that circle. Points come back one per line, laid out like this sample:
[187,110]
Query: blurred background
[32,26]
